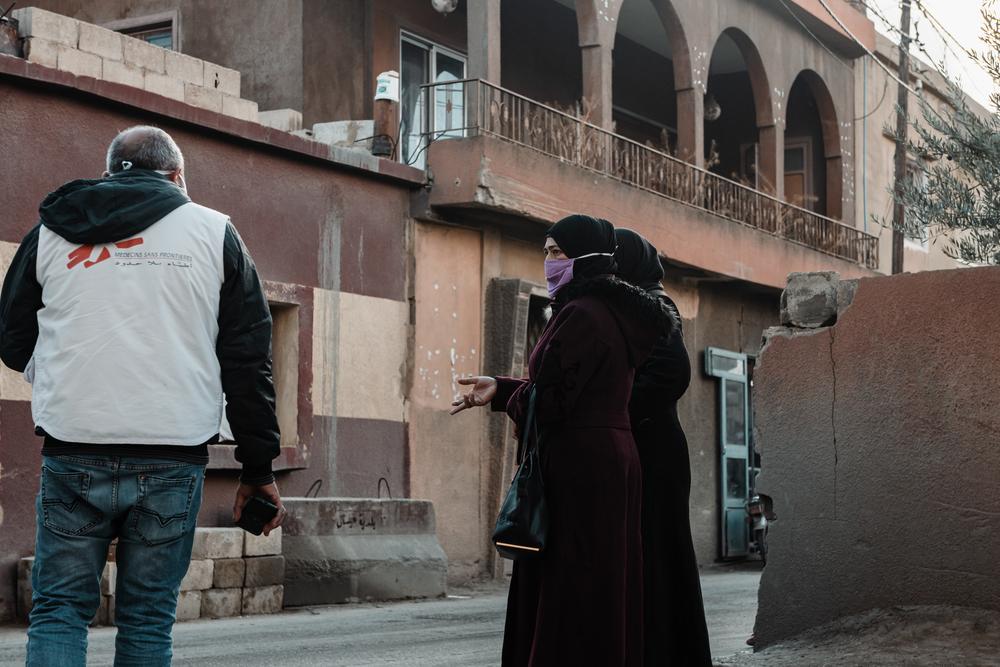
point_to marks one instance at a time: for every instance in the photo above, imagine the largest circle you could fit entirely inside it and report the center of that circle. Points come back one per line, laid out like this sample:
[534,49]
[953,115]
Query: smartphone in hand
[257,513]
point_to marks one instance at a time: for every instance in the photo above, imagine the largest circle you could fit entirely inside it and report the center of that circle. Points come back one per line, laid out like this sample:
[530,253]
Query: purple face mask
[559,272]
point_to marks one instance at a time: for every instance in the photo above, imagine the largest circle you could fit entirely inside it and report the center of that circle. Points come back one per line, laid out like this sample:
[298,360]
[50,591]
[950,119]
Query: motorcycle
[760,512]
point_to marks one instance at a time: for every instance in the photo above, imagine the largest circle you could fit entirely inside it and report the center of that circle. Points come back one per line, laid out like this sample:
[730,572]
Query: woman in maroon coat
[580,602]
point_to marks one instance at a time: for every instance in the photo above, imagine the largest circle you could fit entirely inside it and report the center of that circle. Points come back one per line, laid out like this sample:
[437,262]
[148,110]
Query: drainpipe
[864,146]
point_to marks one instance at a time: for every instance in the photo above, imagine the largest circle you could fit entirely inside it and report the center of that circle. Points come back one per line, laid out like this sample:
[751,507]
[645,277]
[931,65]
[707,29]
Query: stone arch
[597,25]
[767,137]
[832,153]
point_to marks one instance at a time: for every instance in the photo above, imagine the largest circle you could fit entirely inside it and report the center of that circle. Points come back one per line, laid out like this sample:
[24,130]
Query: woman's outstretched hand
[483,390]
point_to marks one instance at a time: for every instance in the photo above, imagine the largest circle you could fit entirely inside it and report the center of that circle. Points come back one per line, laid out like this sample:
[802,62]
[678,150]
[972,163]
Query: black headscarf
[579,235]
[638,261]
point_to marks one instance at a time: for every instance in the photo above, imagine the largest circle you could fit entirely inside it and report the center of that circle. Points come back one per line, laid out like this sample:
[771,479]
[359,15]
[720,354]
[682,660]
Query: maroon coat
[580,603]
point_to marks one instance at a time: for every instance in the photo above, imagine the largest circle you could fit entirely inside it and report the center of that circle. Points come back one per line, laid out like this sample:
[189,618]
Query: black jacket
[115,208]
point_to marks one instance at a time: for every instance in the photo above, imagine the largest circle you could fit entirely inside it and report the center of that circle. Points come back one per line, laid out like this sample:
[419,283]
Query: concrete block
[810,300]
[79,63]
[340,549]
[286,120]
[100,41]
[261,545]
[263,600]
[123,73]
[846,289]
[222,79]
[265,571]
[221,602]
[345,133]
[109,578]
[143,54]
[189,605]
[185,68]
[238,108]
[42,51]
[217,543]
[24,590]
[203,98]
[229,573]
[34,22]
[164,85]
[199,575]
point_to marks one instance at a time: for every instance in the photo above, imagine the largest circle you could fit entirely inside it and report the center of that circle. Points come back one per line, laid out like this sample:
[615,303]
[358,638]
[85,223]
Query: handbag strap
[529,430]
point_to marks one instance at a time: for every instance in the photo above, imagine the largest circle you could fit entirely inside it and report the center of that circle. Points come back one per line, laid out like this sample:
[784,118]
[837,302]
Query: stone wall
[84,49]
[880,442]
[232,573]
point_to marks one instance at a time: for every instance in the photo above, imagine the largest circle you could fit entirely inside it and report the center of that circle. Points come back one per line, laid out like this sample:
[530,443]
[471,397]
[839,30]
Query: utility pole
[902,124]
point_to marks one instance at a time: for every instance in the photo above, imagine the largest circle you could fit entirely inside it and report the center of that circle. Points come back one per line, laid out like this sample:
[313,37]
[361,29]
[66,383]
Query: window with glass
[436,114]
[158,35]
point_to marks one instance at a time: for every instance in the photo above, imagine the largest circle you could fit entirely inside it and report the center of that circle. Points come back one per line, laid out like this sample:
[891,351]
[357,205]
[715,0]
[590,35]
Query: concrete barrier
[352,549]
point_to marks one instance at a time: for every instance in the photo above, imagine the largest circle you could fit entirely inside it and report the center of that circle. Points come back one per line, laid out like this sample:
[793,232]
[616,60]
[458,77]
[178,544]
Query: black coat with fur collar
[581,604]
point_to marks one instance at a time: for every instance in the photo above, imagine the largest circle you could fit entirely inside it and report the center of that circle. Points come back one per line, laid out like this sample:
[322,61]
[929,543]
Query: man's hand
[270,491]
[483,390]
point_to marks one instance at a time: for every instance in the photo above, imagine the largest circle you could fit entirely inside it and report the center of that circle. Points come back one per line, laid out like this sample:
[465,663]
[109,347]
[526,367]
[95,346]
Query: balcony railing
[472,107]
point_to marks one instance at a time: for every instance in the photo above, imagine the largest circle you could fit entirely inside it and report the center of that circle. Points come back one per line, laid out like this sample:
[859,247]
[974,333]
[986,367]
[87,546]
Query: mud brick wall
[878,423]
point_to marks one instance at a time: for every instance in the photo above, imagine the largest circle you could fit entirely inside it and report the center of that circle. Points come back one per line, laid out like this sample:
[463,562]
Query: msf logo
[82,254]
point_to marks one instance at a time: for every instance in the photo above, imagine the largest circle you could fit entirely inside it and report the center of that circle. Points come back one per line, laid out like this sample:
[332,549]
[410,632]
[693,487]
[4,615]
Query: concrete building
[723,131]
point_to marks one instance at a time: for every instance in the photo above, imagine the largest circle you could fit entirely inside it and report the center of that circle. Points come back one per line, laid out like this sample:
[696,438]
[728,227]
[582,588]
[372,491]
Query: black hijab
[579,235]
[638,261]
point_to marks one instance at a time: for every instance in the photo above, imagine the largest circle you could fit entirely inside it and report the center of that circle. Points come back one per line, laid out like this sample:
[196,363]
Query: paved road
[461,631]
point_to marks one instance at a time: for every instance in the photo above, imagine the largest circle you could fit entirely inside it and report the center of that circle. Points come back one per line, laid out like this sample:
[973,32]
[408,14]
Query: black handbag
[523,523]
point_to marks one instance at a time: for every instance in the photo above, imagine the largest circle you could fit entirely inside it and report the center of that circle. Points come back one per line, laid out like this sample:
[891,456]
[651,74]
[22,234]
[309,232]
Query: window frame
[138,23]
[433,49]
[295,448]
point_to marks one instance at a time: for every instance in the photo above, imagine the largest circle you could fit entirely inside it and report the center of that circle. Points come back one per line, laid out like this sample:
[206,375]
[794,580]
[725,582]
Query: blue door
[735,450]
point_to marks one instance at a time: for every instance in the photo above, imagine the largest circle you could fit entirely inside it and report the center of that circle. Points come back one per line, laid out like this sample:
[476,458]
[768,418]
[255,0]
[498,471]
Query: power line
[942,33]
[885,84]
[813,35]
[857,41]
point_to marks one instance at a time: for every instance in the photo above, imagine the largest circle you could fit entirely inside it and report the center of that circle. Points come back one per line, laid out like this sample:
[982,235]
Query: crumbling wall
[879,431]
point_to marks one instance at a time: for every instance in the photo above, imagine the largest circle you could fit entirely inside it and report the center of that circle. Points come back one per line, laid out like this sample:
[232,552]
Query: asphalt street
[463,630]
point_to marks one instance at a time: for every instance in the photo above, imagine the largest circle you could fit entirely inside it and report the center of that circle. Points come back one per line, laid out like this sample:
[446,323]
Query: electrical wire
[885,83]
[857,41]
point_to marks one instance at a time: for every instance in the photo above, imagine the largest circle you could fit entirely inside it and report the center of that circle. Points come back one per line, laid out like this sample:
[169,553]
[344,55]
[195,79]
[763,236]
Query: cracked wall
[880,444]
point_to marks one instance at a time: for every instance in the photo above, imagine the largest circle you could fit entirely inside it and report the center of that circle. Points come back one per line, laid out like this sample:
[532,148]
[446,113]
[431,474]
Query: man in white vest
[132,310]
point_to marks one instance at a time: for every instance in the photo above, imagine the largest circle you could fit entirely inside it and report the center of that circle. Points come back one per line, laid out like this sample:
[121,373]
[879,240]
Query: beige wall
[445,450]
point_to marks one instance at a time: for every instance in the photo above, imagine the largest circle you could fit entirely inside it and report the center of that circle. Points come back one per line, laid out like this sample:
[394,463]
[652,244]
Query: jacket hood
[110,209]
[643,317]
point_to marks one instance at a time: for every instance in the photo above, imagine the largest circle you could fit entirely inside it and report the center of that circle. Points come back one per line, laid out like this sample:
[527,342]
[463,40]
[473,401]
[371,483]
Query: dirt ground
[911,636]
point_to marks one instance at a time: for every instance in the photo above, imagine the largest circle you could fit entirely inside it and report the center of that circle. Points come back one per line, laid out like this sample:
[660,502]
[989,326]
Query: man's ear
[177,176]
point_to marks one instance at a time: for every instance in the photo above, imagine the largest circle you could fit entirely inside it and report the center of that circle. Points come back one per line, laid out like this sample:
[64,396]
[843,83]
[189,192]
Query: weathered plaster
[878,438]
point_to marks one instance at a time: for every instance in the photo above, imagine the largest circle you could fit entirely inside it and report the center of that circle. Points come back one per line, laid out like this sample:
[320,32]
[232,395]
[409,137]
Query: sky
[962,19]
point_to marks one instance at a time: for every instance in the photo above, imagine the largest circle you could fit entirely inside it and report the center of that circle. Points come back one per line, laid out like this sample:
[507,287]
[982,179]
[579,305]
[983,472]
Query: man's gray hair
[144,147]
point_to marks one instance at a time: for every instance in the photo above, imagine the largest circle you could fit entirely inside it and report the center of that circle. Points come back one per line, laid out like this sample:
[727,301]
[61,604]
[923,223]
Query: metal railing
[469,107]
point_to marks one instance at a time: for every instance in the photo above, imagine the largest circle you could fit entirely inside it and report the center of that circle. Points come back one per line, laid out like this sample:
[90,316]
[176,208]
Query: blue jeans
[85,502]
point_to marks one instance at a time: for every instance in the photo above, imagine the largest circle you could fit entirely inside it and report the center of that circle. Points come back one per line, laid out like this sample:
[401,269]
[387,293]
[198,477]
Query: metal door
[734,448]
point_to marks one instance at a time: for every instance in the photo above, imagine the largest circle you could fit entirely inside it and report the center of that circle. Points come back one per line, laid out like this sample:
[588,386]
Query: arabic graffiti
[364,519]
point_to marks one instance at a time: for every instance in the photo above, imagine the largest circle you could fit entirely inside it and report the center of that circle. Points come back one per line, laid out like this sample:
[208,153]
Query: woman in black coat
[675,629]
[579,603]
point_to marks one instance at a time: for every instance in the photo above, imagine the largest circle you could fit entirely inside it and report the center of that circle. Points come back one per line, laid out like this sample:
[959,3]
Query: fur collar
[634,300]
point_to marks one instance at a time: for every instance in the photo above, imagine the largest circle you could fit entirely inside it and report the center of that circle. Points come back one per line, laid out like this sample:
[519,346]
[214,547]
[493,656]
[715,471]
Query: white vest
[126,339]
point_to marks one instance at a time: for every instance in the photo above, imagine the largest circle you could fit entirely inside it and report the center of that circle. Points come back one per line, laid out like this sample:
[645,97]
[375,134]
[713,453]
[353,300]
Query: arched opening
[813,167]
[650,64]
[540,52]
[737,113]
